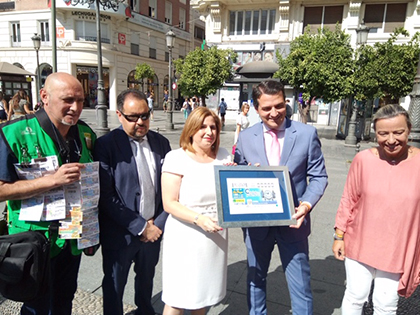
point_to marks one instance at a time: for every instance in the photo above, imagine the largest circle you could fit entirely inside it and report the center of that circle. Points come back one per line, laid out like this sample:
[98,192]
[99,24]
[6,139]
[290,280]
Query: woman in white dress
[194,265]
[242,121]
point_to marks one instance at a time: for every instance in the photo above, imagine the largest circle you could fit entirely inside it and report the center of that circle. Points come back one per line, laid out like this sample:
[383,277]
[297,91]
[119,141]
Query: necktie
[147,188]
[273,153]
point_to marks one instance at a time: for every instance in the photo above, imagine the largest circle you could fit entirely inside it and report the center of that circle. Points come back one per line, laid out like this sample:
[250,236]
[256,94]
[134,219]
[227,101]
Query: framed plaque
[250,196]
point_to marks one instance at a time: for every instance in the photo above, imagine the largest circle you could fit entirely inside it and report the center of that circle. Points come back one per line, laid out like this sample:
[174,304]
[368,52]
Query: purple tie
[273,153]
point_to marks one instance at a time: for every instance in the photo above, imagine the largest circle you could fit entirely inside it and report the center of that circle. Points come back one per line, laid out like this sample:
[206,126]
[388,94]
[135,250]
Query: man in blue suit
[131,215]
[298,147]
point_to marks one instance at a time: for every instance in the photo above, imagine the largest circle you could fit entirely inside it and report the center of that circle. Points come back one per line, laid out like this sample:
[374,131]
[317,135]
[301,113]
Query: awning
[8,68]
[258,69]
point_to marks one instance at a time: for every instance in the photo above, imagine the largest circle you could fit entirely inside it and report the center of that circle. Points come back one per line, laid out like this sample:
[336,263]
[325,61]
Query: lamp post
[36,39]
[101,107]
[170,42]
[362,34]
[414,110]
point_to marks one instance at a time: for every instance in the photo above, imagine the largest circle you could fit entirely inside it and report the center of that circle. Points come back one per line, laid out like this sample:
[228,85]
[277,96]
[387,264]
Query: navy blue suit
[120,220]
[302,155]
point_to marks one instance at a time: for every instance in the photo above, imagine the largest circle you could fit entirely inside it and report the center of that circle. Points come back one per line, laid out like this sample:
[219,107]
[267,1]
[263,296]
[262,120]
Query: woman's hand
[208,224]
[338,249]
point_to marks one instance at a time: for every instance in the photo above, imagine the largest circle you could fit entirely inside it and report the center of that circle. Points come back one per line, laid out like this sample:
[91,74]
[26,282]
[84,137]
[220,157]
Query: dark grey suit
[120,220]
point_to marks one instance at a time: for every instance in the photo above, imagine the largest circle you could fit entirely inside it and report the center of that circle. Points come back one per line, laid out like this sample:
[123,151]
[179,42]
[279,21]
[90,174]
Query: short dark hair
[270,87]
[133,93]
[390,111]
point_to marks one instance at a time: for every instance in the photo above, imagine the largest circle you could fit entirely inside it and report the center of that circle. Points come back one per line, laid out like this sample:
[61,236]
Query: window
[168,12]
[182,18]
[135,44]
[252,22]
[385,18]
[44,30]
[322,17]
[15,31]
[134,5]
[132,83]
[152,47]
[199,33]
[135,49]
[182,51]
[86,31]
[152,9]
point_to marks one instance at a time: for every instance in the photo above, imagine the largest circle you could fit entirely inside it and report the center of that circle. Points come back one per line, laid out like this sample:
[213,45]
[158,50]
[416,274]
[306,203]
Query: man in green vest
[54,130]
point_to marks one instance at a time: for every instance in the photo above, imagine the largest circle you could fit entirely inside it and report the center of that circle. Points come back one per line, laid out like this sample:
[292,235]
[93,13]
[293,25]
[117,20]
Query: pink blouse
[380,215]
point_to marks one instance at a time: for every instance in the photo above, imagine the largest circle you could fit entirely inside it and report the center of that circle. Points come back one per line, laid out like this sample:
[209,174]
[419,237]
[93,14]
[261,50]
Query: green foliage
[144,70]
[387,69]
[202,72]
[319,64]
[324,64]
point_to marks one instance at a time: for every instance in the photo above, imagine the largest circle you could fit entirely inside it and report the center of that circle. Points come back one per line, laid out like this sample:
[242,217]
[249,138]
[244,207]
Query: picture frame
[254,196]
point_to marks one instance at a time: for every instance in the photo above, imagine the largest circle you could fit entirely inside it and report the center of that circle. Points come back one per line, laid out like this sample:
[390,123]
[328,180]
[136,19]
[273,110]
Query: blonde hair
[244,105]
[193,125]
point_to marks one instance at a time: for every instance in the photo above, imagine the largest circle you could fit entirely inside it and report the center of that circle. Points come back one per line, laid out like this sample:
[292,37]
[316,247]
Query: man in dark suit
[280,141]
[131,214]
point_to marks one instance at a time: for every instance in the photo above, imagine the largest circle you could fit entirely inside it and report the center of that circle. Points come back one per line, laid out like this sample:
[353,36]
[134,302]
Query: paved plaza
[327,273]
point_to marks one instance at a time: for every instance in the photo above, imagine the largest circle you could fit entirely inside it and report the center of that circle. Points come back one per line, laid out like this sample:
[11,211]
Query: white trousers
[359,280]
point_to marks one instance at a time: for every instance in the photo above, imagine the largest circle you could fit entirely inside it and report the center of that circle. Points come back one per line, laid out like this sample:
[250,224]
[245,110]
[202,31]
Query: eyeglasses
[135,118]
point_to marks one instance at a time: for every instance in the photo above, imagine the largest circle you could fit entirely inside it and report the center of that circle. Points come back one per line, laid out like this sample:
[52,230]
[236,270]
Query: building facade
[256,29]
[132,32]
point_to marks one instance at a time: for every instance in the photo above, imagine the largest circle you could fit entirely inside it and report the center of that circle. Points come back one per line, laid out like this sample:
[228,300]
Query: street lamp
[36,39]
[362,35]
[414,110]
[170,43]
[101,107]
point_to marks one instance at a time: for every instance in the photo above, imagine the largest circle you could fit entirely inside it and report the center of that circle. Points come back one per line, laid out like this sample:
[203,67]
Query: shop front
[88,76]
[13,79]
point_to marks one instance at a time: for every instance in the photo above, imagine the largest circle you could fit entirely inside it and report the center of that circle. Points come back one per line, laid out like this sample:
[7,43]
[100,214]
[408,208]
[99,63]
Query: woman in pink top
[377,227]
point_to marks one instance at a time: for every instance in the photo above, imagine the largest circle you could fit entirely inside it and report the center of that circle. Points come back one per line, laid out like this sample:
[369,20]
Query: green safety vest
[27,133]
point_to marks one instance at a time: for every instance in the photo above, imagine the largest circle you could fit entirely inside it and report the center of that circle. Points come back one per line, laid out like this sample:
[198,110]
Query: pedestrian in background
[221,110]
[19,106]
[3,108]
[279,141]
[194,267]
[194,103]
[165,100]
[377,227]
[131,215]
[150,99]
[242,123]
[187,107]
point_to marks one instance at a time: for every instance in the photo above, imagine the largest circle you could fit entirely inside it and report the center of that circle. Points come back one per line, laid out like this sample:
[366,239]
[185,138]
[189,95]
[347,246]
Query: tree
[202,72]
[144,70]
[319,64]
[387,69]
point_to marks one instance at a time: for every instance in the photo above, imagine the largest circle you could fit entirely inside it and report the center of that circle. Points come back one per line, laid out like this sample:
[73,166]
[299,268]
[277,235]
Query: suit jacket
[119,216]
[302,155]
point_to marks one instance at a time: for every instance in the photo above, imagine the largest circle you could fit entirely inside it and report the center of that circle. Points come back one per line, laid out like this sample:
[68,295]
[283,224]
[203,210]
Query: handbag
[24,265]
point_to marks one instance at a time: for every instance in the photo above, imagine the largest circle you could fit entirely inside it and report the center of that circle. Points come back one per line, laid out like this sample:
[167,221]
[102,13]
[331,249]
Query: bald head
[63,99]
[57,79]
